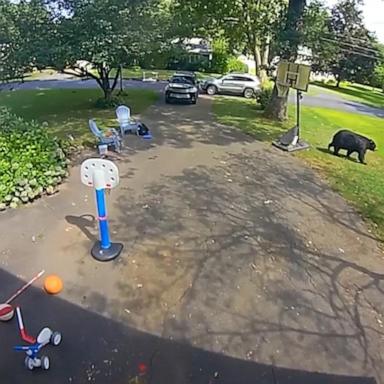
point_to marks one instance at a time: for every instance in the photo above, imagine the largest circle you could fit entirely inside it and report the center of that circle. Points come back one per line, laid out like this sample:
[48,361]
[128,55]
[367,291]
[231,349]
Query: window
[182,80]
[242,78]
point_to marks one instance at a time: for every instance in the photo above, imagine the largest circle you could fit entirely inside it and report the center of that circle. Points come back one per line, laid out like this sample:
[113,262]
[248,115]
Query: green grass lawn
[373,97]
[67,111]
[362,185]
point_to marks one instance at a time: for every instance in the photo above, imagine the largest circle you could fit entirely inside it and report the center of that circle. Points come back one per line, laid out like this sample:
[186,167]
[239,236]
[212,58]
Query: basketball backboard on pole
[296,76]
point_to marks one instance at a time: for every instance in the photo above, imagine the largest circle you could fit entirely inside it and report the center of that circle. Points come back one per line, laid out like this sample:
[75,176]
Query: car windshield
[182,80]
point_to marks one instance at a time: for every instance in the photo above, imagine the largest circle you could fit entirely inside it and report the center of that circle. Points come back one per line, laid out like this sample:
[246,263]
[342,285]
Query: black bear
[352,142]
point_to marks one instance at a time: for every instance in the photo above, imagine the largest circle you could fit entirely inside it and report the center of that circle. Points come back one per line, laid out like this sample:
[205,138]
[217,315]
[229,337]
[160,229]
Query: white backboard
[293,75]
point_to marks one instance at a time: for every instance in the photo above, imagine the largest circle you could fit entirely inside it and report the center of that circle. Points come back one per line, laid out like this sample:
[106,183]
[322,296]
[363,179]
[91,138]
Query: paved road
[322,99]
[327,100]
[240,266]
[76,83]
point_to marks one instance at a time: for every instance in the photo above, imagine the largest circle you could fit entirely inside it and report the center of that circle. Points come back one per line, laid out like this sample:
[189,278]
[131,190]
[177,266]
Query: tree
[355,59]
[8,36]
[92,38]
[22,26]
[347,48]
[316,20]
[104,33]
[248,25]
[291,36]
[378,76]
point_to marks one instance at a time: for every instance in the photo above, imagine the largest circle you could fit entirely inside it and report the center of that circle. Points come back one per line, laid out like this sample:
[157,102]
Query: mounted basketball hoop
[102,174]
[296,76]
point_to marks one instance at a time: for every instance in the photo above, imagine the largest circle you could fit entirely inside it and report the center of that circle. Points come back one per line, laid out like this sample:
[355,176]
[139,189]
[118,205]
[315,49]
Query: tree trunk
[107,94]
[277,108]
[257,59]
[265,60]
[338,81]
[104,80]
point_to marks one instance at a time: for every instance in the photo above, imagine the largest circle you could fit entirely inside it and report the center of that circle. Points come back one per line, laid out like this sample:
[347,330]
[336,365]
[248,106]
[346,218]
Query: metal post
[121,78]
[298,97]
[103,220]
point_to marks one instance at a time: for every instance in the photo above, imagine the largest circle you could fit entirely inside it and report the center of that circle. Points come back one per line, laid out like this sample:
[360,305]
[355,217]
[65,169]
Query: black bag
[142,130]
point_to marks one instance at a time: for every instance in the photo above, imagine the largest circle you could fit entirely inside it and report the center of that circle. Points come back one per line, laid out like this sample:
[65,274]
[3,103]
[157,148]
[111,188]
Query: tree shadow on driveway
[96,349]
[250,255]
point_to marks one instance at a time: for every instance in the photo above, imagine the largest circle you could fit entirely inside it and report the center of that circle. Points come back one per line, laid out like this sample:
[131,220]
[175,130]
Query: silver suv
[242,84]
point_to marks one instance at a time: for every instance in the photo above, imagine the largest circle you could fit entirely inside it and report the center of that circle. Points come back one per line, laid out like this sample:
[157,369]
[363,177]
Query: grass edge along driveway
[361,185]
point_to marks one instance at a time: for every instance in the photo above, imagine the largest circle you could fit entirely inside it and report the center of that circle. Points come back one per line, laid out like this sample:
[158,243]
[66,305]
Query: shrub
[220,56]
[235,65]
[265,94]
[330,82]
[31,161]
[103,103]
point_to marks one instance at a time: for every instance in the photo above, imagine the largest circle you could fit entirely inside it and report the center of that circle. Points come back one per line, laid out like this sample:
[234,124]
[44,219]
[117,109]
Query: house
[197,49]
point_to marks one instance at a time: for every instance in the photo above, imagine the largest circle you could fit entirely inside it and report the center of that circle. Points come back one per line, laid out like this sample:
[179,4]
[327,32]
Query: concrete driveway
[240,266]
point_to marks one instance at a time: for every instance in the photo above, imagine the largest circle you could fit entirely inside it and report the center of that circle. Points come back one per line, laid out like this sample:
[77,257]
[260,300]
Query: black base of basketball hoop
[290,141]
[291,148]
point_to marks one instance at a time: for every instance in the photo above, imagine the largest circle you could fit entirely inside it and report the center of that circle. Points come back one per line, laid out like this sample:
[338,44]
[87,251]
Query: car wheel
[248,93]
[167,101]
[211,90]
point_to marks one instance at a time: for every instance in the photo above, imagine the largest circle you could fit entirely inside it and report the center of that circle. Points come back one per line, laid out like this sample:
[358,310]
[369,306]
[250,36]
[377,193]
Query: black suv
[182,87]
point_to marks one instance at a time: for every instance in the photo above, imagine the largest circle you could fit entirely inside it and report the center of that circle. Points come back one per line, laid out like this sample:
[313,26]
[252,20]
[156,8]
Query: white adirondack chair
[123,114]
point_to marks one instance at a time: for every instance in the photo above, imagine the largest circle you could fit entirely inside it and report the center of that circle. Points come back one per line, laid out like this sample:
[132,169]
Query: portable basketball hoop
[296,76]
[102,174]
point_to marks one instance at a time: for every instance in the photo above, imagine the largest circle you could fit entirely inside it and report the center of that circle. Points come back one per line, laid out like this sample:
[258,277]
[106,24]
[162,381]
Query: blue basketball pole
[104,250]
[103,220]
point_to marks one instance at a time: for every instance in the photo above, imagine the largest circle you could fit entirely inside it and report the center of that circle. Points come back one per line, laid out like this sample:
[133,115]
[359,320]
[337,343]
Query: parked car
[242,84]
[182,87]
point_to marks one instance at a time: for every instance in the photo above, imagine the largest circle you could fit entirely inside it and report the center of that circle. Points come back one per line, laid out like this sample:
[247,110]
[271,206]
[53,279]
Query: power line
[349,44]
[354,38]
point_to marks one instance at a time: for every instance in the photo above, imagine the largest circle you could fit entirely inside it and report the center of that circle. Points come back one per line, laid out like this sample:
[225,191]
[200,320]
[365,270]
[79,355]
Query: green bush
[220,56]
[103,103]
[265,94]
[31,161]
[235,65]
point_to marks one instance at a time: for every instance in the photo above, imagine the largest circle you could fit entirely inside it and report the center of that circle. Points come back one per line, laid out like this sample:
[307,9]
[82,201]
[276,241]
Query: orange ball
[53,284]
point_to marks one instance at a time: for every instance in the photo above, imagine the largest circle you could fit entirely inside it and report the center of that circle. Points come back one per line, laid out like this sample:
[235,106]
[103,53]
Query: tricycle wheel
[56,338]
[29,363]
[45,362]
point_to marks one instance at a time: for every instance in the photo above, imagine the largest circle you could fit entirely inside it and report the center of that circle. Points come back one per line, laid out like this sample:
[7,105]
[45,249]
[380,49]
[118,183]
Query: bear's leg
[336,151]
[361,156]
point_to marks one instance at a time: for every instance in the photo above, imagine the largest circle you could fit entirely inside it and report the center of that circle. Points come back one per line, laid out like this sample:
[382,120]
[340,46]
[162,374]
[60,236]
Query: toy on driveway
[32,360]
[102,174]
[6,309]
[46,336]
